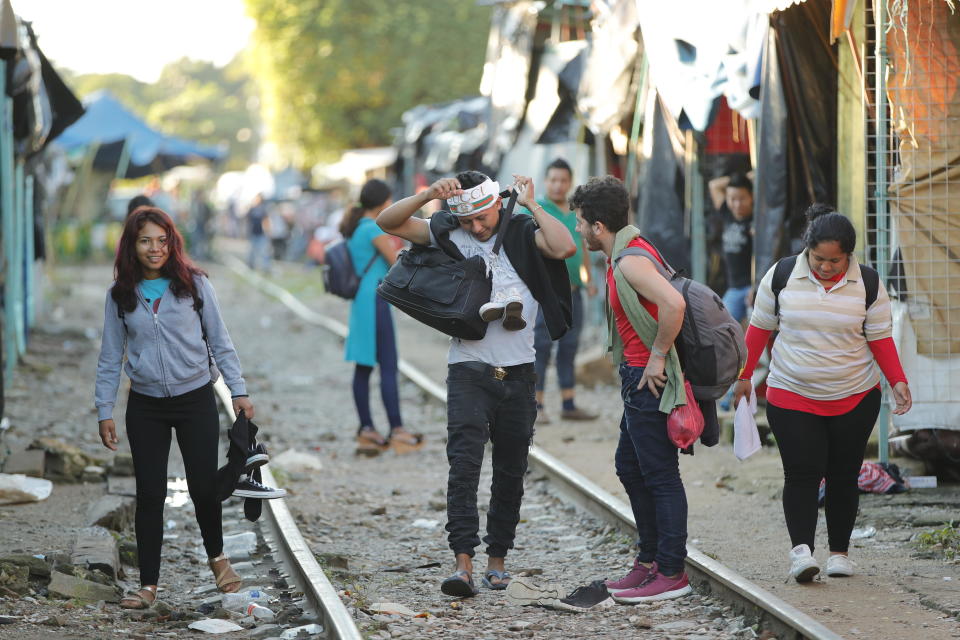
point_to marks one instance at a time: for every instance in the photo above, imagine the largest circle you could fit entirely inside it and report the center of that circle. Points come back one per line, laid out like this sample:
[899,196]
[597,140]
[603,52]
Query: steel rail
[295,554]
[707,574]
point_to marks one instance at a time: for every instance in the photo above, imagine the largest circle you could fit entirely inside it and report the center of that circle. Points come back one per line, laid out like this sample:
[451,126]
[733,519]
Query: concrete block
[66,586]
[112,512]
[64,462]
[96,548]
[29,463]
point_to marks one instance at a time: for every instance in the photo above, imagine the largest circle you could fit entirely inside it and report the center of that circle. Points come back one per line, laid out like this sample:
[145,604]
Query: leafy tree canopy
[338,74]
[191,99]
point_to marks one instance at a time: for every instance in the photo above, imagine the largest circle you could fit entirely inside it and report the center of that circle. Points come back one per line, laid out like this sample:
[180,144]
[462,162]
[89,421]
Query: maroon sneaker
[659,588]
[637,576]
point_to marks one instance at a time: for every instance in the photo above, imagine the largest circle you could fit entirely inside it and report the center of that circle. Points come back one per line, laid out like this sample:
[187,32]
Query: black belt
[525,371]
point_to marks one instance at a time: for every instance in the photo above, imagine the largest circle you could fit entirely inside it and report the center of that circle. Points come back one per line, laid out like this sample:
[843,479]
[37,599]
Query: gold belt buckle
[499,373]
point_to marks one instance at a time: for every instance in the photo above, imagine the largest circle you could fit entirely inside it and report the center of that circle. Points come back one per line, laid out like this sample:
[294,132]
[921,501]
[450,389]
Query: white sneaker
[839,566]
[494,309]
[513,311]
[803,566]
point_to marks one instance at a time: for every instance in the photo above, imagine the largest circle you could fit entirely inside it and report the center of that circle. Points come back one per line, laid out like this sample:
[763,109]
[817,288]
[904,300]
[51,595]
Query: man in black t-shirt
[733,198]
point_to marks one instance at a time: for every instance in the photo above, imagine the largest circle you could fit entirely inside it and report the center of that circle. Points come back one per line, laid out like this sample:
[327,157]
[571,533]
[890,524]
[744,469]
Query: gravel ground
[377,523]
[735,510]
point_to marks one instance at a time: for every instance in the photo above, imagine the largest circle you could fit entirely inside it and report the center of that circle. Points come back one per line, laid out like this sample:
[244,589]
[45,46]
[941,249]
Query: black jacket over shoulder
[546,277]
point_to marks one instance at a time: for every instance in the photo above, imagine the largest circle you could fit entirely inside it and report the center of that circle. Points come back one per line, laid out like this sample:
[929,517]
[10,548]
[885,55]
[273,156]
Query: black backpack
[781,274]
[339,276]
[710,345]
[444,290]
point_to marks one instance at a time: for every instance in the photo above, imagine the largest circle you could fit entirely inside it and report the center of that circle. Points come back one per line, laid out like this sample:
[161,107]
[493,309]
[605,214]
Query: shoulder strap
[663,269]
[505,216]
[781,273]
[373,259]
[871,282]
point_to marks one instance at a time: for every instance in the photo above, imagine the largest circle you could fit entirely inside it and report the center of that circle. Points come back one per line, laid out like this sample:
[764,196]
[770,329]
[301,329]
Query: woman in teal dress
[372,337]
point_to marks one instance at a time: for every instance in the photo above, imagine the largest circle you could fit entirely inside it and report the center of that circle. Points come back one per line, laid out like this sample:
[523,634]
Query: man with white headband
[490,382]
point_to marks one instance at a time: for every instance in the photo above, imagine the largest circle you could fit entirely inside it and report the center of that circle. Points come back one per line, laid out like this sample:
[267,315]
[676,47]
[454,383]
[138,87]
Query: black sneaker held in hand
[256,457]
[247,487]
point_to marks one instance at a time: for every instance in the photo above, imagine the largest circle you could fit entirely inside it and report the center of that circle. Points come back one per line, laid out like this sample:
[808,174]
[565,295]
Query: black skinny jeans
[193,415]
[814,447]
[481,408]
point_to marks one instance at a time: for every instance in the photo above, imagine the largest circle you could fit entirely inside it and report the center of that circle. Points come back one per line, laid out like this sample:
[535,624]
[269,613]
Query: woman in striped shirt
[823,393]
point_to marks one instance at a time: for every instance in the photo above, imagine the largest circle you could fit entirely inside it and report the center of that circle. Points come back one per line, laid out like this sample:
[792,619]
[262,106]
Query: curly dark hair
[602,199]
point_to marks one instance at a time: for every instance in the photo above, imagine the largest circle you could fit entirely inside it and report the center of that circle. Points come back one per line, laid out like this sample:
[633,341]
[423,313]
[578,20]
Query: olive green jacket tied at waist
[673,394]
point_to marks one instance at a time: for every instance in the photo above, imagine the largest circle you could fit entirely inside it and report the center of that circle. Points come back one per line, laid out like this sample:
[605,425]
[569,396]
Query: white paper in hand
[746,438]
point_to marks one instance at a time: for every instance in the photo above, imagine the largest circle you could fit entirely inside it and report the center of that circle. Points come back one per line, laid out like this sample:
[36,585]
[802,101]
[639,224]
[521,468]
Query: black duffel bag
[443,291]
[439,290]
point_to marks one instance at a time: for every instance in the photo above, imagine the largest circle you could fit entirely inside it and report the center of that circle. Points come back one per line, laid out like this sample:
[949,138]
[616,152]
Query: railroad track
[294,553]
[708,575]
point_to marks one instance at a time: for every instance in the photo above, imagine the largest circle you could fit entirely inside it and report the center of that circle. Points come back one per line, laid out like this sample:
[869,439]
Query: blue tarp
[108,123]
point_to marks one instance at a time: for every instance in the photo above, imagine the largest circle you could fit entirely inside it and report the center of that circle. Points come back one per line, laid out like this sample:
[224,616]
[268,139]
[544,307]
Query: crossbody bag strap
[373,259]
[505,220]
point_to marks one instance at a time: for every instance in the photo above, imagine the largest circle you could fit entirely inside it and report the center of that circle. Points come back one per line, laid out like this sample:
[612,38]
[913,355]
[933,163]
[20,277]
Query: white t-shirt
[499,347]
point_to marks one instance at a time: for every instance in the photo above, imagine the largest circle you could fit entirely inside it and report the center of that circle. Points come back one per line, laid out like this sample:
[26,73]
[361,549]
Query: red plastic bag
[685,423]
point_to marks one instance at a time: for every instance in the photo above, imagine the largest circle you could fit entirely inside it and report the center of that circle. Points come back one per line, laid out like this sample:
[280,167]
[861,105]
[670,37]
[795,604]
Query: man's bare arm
[398,220]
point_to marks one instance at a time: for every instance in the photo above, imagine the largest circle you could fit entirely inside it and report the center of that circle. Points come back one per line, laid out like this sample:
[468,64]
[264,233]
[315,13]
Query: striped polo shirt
[821,352]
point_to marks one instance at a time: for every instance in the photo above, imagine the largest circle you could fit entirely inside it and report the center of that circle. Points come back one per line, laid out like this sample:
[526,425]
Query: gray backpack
[710,345]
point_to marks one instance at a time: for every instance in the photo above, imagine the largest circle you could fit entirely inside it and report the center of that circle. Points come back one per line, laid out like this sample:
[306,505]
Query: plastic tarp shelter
[119,132]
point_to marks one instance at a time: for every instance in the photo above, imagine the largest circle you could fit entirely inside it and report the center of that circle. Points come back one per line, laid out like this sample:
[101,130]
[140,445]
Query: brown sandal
[403,441]
[370,442]
[137,599]
[227,576]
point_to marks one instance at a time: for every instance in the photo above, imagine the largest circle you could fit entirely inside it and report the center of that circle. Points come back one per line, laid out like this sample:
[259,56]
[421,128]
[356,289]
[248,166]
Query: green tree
[192,99]
[337,74]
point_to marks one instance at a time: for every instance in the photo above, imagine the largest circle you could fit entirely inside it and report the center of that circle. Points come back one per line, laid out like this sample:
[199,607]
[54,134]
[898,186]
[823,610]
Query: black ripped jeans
[150,422]
[480,408]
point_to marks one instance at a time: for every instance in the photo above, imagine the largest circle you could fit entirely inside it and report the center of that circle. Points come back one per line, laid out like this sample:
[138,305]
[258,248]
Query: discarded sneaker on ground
[247,487]
[588,597]
[526,592]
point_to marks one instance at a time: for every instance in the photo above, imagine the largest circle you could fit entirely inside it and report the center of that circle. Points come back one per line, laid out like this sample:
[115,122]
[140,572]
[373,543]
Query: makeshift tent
[121,135]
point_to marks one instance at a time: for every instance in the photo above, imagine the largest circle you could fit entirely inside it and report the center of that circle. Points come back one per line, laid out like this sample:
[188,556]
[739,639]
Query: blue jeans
[480,408]
[735,300]
[648,467]
[566,346]
[387,359]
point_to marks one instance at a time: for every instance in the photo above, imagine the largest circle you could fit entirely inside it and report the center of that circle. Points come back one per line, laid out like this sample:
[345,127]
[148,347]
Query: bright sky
[136,37]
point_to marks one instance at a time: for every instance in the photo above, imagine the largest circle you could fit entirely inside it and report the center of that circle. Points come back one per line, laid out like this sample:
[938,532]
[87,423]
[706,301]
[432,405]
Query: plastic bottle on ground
[259,612]
[239,601]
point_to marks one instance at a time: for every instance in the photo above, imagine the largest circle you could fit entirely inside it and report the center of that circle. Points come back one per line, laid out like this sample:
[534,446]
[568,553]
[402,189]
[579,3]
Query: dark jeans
[566,346]
[813,447]
[193,415]
[387,358]
[482,408]
[648,466]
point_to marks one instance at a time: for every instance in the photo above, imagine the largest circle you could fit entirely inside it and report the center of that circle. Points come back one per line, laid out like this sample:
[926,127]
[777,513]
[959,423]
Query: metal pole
[29,253]
[16,270]
[883,240]
[635,130]
[8,214]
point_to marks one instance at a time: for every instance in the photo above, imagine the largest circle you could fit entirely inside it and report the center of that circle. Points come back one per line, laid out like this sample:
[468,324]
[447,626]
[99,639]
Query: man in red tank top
[646,460]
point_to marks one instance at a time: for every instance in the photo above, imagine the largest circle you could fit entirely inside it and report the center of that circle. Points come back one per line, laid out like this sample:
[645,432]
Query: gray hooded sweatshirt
[166,353]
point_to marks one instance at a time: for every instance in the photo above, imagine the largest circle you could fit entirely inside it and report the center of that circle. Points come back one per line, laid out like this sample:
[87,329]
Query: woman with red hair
[162,314]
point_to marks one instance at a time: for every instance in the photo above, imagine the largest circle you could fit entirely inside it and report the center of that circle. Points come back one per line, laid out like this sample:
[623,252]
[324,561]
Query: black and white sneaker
[587,597]
[247,487]
[257,457]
